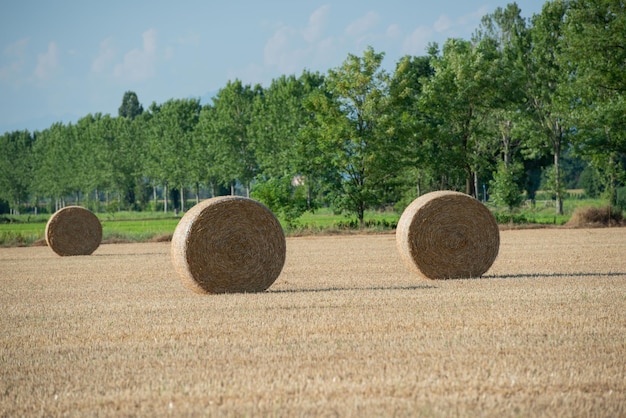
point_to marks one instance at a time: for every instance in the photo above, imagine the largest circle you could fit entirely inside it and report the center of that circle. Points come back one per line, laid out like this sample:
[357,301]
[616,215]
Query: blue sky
[61,60]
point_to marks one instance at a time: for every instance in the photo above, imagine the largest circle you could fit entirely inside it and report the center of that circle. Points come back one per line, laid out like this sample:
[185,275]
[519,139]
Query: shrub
[510,218]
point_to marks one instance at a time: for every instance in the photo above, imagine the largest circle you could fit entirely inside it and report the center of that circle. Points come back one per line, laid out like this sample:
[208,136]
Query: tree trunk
[558,134]
[213,187]
[418,186]
[165,198]
[476,185]
[506,142]
[557,185]
[361,214]
[468,183]
[308,194]
[182,199]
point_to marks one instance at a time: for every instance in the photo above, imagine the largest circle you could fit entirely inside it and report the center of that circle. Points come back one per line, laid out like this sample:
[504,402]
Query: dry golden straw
[228,244]
[448,235]
[73,230]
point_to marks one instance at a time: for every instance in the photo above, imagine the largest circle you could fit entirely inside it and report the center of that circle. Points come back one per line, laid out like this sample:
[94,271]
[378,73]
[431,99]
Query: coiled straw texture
[448,235]
[228,244]
[73,230]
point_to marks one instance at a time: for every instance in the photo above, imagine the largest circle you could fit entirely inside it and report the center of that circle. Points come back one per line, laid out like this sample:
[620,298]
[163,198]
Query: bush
[505,186]
[510,218]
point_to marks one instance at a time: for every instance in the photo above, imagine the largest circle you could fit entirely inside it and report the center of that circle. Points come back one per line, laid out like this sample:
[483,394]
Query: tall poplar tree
[229,137]
[351,121]
[457,100]
[545,79]
[594,52]
[16,166]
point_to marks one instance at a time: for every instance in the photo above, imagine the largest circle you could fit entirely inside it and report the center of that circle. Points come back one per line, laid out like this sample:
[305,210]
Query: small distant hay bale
[592,217]
[228,244]
[73,230]
[448,235]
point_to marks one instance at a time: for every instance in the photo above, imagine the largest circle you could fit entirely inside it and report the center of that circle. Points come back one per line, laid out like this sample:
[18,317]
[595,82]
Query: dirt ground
[346,330]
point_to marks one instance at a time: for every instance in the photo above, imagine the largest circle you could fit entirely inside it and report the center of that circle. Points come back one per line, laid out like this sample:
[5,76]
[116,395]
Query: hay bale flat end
[448,235]
[73,230]
[228,244]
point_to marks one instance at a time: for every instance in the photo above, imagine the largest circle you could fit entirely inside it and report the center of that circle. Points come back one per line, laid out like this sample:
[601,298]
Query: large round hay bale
[448,235]
[73,230]
[228,244]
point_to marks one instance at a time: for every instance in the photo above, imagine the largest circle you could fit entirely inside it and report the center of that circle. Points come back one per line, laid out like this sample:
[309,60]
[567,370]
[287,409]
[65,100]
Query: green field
[26,229]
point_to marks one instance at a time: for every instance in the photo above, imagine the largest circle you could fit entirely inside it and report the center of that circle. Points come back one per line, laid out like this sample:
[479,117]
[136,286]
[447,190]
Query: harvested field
[346,330]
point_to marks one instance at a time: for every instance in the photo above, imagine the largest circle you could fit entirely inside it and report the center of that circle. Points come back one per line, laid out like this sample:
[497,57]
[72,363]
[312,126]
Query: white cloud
[280,51]
[16,54]
[442,24]
[474,17]
[47,62]
[105,56]
[16,48]
[362,24]
[139,63]
[446,25]
[417,41]
[317,23]
[393,31]
[290,49]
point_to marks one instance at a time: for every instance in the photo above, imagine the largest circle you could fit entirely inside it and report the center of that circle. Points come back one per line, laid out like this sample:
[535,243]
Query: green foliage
[282,197]
[16,166]
[130,108]
[227,132]
[551,184]
[511,218]
[620,201]
[590,182]
[351,125]
[357,138]
[458,98]
[505,187]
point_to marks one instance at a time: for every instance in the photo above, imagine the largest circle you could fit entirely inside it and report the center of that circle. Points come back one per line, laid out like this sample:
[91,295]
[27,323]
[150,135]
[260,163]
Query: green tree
[506,30]
[207,168]
[350,123]
[228,134]
[408,124]
[16,166]
[130,108]
[284,181]
[594,52]
[171,146]
[54,174]
[505,187]
[545,77]
[457,100]
[128,155]
[93,140]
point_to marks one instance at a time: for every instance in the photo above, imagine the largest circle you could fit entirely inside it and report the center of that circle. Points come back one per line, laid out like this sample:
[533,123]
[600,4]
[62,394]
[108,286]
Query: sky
[62,60]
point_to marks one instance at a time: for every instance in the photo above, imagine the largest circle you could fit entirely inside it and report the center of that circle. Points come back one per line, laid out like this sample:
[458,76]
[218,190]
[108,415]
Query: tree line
[492,113]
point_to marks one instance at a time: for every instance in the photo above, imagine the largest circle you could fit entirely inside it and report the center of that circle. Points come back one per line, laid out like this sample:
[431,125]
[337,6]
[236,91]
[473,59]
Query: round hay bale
[228,244]
[448,235]
[73,230]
